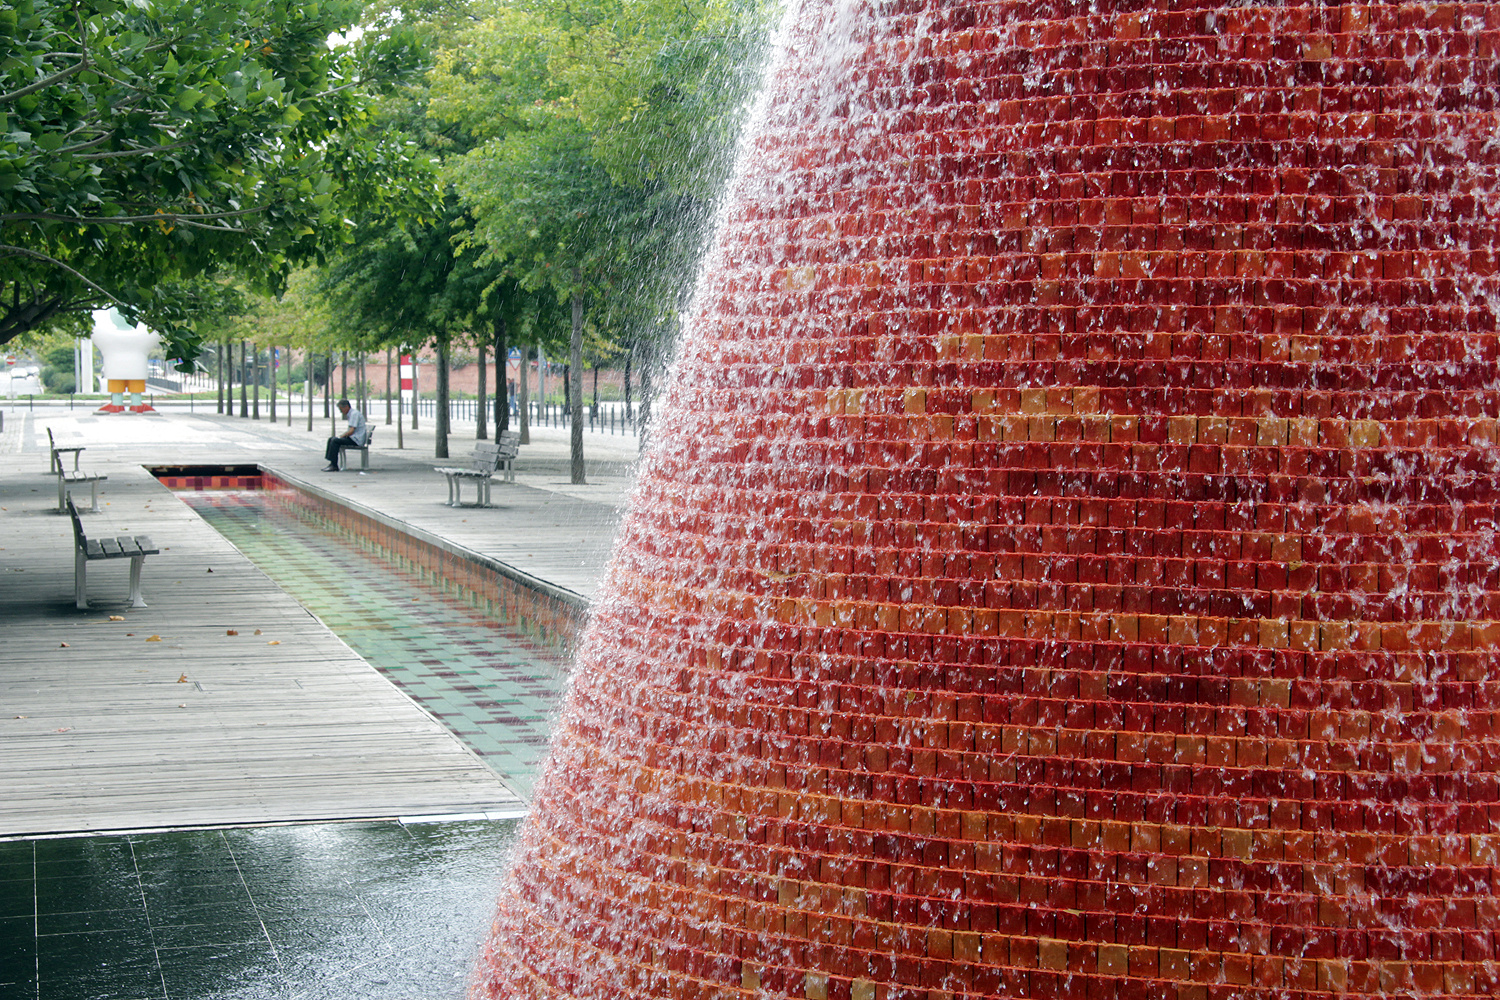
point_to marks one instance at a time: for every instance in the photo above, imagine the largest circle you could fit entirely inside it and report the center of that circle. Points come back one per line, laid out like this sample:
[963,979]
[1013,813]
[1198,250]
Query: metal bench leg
[484,492]
[94,508]
[80,579]
[135,582]
[364,459]
[61,502]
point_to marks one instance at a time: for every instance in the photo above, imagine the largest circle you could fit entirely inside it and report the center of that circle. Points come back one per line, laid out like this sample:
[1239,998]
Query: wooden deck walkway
[224,702]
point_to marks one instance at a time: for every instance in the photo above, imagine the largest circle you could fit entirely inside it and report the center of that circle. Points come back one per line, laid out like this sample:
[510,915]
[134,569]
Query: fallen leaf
[116,618]
[183,679]
[184,705]
[64,645]
[274,642]
[153,638]
[64,729]
[257,632]
[230,631]
[210,569]
[130,635]
[22,717]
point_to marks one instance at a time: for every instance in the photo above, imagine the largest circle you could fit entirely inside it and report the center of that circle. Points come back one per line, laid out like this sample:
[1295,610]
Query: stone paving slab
[163,719]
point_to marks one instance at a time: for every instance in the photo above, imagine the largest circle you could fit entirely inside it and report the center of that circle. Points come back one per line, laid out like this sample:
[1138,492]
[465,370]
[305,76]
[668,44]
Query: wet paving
[393,910]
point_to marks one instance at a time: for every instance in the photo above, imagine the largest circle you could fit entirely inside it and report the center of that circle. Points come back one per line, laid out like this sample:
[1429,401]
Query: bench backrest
[509,444]
[369,436]
[79,541]
[486,456]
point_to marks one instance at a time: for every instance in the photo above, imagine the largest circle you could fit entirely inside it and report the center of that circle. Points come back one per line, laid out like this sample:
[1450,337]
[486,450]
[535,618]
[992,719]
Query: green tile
[17,898]
[108,965]
[209,971]
[91,921]
[103,889]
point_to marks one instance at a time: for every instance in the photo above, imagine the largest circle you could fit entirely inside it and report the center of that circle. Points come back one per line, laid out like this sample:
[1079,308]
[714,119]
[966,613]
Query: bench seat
[363,449]
[488,458]
[67,478]
[85,550]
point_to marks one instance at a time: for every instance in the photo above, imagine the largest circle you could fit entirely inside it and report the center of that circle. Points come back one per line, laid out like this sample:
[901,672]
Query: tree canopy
[150,141]
[603,133]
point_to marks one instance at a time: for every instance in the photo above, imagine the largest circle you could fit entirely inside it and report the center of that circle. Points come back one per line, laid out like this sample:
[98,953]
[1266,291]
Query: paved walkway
[225,702]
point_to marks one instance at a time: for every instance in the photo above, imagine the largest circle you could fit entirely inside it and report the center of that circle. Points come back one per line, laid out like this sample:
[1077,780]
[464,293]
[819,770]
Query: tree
[147,141]
[605,133]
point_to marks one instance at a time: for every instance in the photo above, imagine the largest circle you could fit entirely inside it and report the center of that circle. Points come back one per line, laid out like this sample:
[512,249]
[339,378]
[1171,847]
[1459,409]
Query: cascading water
[1067,566]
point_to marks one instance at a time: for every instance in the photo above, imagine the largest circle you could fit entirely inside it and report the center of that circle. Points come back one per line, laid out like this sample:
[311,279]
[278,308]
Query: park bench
[85,550]
[488,458]
[67,478]
[363,449]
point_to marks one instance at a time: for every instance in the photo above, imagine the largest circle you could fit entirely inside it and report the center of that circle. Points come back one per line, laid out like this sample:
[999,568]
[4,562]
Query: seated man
[354,436]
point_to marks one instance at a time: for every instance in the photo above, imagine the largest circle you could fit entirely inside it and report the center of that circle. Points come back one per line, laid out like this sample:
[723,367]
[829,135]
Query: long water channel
[491,685]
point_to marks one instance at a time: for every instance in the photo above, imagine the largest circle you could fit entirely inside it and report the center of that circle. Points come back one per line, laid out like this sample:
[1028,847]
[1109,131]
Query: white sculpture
[125,351]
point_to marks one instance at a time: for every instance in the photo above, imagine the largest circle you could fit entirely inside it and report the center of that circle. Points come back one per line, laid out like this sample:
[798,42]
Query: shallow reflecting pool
[390,910]
[488,683]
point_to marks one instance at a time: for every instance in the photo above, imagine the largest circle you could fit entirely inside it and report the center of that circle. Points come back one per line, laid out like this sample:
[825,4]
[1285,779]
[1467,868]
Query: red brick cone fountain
[1069,567]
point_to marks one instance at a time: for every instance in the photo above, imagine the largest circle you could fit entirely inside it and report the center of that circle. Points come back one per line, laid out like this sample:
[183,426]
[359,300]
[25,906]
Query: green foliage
[296,318]
[57,369]
[604,132]
[147,141]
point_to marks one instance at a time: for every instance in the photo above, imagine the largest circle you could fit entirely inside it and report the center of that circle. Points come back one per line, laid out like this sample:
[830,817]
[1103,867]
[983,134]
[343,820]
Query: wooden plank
[162,718]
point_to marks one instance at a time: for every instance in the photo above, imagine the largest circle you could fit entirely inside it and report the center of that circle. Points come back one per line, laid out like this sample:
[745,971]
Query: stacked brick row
[1068,566]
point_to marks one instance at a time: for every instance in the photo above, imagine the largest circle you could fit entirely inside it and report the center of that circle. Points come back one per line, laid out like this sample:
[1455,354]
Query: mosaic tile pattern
[391,910]
[551,619]
[490,684]
[1068,567]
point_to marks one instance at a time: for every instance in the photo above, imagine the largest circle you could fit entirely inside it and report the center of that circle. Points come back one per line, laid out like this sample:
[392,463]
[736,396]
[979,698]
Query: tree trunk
[629,409]
[416,392]
[575,384]
[310,384]
[441,426]
[271,364]
[388,387]
[502,380]
[220,352]
[364,388]
[481,415]
[244,377]
[643,428]
[255,387]
[524,397]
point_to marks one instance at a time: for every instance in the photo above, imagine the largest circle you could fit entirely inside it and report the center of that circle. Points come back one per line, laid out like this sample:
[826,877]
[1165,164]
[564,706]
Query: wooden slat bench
[85,550]
[363,449]
[67,478]
[488,458]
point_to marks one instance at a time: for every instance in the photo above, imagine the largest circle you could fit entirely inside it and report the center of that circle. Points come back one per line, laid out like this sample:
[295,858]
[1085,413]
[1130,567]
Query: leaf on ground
[64,729]
[230,631]
[153,638]
[64,645]
[210,569]
[116,618]
[274,642]
[183,679]
[257,632]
